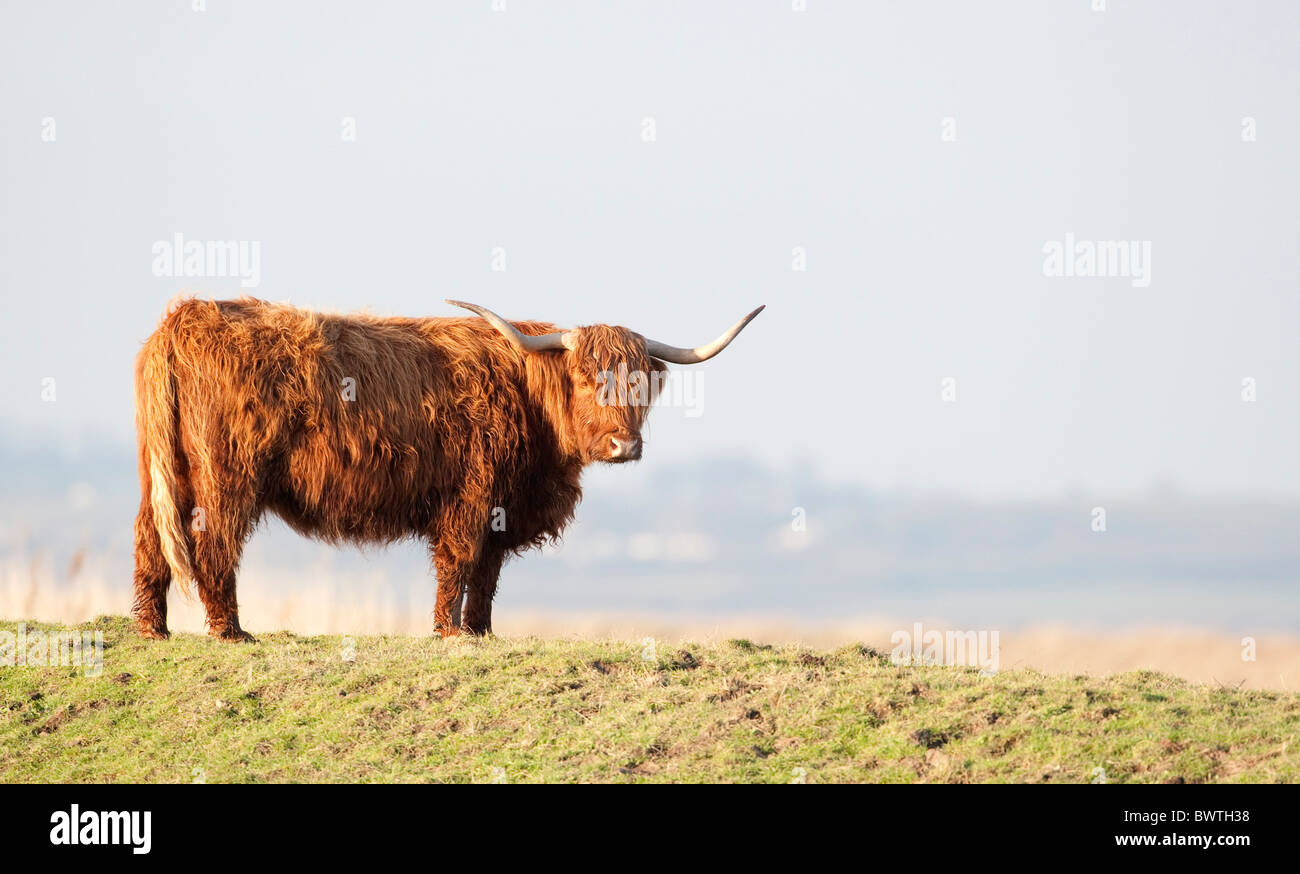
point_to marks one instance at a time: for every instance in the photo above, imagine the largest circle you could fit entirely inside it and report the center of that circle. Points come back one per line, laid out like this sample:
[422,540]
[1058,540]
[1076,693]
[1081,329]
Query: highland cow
[470,433]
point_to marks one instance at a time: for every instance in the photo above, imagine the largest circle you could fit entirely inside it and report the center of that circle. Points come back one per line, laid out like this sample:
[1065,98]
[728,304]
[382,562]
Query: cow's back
[352,427]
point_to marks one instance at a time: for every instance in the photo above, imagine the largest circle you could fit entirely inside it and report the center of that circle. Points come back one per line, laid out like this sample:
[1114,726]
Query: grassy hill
[295,708]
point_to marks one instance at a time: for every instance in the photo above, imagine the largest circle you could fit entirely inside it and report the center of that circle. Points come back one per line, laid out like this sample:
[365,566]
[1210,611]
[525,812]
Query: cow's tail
[156,420]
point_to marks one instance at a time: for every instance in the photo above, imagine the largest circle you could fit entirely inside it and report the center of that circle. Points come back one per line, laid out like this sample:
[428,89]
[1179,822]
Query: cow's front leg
[480,591]
[453,576]
[457,609]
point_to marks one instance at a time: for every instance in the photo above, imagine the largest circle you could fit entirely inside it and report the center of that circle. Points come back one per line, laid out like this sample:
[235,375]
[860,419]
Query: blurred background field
[711,551]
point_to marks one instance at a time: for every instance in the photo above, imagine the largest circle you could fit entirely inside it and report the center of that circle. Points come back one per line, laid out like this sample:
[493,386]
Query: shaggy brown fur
[241,409]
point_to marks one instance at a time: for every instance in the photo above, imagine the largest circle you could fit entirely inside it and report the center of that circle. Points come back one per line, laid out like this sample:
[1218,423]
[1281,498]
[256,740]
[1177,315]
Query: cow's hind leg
[152,576]
[482,587]
[219,534]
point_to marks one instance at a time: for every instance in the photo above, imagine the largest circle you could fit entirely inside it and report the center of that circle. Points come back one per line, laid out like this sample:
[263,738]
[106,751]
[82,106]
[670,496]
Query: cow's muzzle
[624,447]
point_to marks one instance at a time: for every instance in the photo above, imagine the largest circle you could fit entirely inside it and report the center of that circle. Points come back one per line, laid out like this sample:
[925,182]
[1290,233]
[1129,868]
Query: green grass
[292,708]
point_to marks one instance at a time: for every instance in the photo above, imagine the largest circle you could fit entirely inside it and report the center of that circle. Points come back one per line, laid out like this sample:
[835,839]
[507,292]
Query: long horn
[677,355]
[523,342]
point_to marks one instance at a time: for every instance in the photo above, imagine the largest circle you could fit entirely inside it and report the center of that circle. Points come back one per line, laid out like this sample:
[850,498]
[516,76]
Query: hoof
[153,632]
[446,631]
[232,635]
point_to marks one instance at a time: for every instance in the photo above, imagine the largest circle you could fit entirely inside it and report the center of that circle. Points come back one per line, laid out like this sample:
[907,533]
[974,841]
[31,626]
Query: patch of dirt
[881,708]
[931,738]
[734,687]
[639,769]
[442,693]
[1001,746]
[684,660]
[52,724]
[656,750]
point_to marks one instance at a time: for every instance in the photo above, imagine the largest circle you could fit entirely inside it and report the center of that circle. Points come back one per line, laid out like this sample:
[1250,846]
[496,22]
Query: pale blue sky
[775,129]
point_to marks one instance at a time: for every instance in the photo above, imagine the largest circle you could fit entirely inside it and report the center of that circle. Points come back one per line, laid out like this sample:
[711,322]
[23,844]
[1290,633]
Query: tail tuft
[156,420]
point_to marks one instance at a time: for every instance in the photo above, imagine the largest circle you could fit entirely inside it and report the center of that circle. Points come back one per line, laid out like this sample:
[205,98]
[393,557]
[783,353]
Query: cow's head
[614,376]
